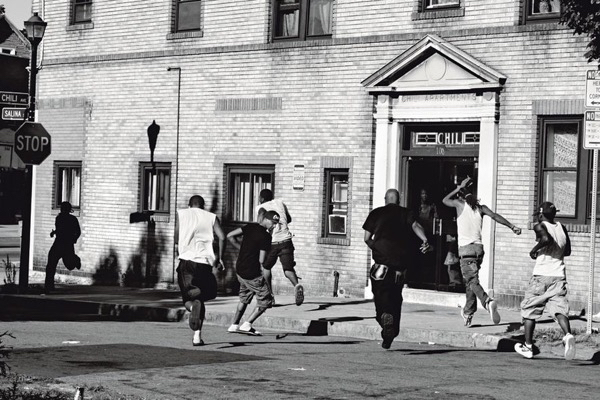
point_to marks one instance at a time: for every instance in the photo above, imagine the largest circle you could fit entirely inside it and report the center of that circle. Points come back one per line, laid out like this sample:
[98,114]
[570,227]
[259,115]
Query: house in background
[14,81]
[326,102]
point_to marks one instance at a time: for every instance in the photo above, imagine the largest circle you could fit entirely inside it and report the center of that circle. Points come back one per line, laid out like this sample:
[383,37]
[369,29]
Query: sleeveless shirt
[196,235]
[550,259]
[281,231]
[469,226]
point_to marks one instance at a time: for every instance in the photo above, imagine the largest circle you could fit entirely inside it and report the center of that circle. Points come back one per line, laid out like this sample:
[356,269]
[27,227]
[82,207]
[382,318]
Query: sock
[197,336]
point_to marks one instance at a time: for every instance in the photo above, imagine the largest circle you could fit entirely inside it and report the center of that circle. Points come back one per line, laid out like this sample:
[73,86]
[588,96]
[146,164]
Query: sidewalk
[350,317]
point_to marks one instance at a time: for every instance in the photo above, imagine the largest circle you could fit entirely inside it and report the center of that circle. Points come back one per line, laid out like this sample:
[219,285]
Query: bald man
[388,233]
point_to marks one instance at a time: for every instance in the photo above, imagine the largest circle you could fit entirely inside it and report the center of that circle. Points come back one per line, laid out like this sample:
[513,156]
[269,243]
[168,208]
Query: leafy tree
[583,16]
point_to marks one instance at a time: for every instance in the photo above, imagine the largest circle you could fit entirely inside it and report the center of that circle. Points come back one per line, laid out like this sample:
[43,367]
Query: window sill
[161,218]
[446,13]
[80,27]
[185,35]
[573,227]
[333,240]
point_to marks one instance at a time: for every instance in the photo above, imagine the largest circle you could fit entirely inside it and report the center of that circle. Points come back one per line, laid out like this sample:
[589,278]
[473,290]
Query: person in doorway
[67,231]
[452,262]
[388,232]
[427,212]
[256,242]
[547,287]
[281,245]
[470,247]
[194,235]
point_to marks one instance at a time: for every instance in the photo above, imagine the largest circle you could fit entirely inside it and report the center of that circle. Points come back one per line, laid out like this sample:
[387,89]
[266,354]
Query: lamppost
[35,28]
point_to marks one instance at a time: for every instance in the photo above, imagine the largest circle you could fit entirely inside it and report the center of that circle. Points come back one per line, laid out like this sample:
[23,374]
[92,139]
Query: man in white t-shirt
[281,244]
[469,219]
[194,233]
[547,289]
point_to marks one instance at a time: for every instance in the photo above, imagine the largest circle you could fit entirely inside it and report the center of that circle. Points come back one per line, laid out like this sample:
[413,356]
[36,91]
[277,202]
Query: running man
[548,284]
[256,242]
[388,233]
[195,233]
[469,219]
[281,245]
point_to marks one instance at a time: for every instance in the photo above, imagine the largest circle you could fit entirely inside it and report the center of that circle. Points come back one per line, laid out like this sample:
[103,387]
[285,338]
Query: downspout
[178,69]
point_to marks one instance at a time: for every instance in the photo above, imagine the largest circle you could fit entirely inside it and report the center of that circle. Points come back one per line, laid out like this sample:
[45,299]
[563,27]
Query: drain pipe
[336,281]
[178,69]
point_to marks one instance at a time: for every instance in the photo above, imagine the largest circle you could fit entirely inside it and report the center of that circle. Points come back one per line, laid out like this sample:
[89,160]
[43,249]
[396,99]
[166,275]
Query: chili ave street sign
[32,143]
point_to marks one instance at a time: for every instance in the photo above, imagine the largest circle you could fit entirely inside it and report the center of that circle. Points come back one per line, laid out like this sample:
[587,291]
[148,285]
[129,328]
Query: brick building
[327,102]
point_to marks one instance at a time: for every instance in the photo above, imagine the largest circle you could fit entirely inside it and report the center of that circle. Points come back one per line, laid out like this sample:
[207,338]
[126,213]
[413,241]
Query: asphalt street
[156,360]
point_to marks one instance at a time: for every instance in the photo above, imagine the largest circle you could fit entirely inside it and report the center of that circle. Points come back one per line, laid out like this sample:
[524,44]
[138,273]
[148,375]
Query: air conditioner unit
[337,224]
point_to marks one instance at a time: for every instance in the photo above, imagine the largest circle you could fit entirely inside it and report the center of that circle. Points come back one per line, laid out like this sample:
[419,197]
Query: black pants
[387,295]
[57,251]
[196,281]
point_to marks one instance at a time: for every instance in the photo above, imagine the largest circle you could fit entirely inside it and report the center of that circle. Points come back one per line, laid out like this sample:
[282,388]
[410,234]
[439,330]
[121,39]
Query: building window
[155,190]
[566,169]
[82,11]
[437,4]
[302,19]
[542,10]
[67,183]
[336,202]
[187,15]
[244,183]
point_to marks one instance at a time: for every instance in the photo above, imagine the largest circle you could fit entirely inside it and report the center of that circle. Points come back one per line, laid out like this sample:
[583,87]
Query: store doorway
[435,177]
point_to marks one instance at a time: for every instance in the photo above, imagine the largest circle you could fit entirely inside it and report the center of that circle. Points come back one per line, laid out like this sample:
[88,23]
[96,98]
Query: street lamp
[35,28]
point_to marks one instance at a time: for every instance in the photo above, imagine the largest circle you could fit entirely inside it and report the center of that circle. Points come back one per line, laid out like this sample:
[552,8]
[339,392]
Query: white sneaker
[492,307]
[233,328]
[569,341]
[299,294]
[524,350]
[247,328]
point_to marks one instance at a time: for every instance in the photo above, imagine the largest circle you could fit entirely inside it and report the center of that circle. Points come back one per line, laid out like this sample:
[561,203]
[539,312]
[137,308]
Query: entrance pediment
[434,65]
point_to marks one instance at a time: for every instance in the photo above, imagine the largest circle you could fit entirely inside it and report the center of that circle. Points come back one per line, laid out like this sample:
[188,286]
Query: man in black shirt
[256,243]
[388,232]
[67,232]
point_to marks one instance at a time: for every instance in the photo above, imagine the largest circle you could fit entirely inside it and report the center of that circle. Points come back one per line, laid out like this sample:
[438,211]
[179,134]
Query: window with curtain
[81,11]
[155,190]
[302,19]
[437,4]
[244,183]
[67,183]
[565,168]
[336,202]
[187,15]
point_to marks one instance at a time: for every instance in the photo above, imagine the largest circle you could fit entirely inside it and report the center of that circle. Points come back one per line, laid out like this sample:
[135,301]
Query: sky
[17,11]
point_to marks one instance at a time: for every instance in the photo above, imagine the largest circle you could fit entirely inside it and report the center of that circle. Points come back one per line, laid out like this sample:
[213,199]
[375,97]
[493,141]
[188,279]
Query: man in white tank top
[194,233]
[470,247]
[547,289]
[282,247]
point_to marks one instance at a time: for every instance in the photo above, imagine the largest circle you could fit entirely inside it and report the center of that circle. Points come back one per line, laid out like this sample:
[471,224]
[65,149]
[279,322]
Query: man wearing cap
[256,242]
[67,232]
[281,244]
[388,233]
[195,233]
[469,220]
[547,287]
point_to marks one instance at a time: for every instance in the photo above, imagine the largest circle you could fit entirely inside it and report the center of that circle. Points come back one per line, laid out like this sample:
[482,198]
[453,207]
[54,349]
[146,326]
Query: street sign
[591,137]
[14,98]
[32,143]
[13,114]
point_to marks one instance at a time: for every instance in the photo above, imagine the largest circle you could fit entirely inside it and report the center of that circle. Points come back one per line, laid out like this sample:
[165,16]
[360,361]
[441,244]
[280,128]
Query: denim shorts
[545,293]
[255,287]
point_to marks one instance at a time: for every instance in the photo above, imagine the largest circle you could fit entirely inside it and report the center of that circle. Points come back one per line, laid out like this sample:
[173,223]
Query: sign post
[592,142]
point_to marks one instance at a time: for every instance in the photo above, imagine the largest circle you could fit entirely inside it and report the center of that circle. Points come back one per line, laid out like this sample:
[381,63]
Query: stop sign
[32,143]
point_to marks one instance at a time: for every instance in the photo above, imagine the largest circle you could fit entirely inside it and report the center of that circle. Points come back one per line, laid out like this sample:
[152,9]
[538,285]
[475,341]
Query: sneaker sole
[570,348]
[299,295]
[195,315]
[248,333]
[494,315]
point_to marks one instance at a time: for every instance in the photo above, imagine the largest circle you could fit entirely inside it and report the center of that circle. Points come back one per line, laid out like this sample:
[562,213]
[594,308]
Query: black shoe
[387,331]
[200,343]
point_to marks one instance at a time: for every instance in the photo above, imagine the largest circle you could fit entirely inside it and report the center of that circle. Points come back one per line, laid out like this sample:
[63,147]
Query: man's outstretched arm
[500,219]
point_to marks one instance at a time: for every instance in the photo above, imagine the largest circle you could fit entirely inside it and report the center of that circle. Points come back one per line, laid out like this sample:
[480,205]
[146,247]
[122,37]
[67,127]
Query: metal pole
[26,211]
[178,69]
[590,305]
